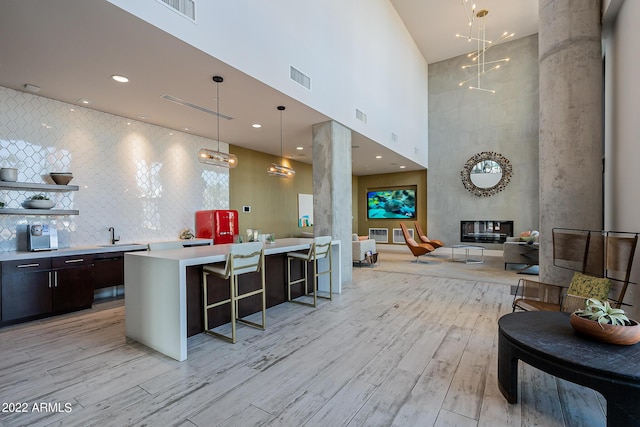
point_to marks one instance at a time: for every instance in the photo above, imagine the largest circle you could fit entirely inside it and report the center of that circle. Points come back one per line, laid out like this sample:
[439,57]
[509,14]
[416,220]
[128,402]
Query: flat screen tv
[396,204]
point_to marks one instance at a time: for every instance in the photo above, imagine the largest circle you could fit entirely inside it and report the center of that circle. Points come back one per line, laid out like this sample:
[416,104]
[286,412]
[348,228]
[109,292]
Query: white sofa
[360,248]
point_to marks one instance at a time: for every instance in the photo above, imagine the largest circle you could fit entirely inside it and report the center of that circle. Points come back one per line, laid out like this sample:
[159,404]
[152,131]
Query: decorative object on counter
[252,235]
[218,158]
[280,170]
[39,201]
[187,234]
[9,174]
[599,321]
[270,238]
[61,178]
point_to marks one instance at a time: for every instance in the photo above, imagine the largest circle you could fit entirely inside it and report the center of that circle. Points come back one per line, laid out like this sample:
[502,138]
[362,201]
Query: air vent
[299,77]
[361,116]
[394,138]
[183,7]
[194,106]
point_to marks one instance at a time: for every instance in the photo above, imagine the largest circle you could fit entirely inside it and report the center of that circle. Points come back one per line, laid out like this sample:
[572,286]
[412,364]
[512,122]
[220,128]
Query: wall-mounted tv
[394,204]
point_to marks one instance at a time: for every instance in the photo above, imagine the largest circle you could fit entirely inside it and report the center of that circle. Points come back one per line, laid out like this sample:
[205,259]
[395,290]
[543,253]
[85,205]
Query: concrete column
[571,148]
[332,210]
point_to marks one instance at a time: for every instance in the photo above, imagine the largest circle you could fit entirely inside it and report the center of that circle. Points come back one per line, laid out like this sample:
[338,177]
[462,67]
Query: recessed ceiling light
[378,157]
[299,148]
[120,79]
[402,167]
[256,125]
[142,117]
[83,101]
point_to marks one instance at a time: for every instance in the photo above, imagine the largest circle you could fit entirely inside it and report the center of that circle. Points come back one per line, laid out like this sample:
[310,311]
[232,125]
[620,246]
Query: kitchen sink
[115,245]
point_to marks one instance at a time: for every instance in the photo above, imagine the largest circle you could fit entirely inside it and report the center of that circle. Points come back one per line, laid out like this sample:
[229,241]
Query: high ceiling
[45,43]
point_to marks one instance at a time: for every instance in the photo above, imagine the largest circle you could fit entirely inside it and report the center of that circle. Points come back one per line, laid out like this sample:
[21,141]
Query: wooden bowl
[612,334]
[61,178]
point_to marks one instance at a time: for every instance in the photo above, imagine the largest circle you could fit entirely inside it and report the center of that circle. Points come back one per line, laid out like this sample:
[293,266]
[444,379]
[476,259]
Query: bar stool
[320,249]
[242,258]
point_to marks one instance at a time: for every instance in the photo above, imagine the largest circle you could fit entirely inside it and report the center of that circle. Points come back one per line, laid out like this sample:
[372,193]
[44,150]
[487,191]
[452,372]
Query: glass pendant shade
[281,171]
[217,158]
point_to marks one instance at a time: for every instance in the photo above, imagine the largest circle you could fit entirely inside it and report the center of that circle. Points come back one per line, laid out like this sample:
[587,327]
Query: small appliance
[220,225]
[42,237]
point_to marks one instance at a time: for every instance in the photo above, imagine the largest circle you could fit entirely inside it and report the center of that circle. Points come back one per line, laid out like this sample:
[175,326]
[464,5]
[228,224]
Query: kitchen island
[156,286]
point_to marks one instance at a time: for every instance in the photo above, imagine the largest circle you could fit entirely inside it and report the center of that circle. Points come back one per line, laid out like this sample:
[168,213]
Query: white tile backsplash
[142,179]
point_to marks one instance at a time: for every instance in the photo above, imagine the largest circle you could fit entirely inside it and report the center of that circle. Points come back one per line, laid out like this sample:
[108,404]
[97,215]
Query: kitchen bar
[156,287]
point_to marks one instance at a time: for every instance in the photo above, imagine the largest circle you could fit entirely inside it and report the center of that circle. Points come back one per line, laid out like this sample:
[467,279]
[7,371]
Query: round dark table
[546,341]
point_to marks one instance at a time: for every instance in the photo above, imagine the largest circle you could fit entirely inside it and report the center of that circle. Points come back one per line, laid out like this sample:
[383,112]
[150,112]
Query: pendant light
[281,170]
[481,65]
[217,158]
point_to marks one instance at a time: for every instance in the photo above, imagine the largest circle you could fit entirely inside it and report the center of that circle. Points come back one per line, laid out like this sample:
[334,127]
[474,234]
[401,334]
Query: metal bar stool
[242,258]
[320,249]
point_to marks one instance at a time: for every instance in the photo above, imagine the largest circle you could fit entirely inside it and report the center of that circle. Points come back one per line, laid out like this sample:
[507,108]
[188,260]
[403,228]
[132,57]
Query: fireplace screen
[485,231]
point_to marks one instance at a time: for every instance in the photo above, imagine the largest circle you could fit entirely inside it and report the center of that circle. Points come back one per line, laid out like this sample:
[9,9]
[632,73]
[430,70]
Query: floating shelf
[13,211]
[31,186]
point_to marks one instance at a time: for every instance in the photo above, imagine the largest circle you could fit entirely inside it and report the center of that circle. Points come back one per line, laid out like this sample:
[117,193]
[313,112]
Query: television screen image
[399,204]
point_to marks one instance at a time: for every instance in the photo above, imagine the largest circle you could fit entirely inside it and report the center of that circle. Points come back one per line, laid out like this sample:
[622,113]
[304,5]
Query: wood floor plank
[405,344]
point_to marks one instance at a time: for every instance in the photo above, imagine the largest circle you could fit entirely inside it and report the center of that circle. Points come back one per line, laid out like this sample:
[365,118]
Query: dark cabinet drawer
[24,266]
[71,261]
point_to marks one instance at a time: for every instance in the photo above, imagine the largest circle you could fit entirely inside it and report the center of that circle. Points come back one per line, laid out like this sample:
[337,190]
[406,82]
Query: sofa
[521,250]
[361,247]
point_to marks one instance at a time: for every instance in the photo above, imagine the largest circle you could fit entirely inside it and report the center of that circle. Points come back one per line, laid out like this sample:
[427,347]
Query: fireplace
[479,231]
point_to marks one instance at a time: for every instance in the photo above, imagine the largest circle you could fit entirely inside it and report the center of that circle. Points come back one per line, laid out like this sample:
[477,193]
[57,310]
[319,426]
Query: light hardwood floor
[399,347]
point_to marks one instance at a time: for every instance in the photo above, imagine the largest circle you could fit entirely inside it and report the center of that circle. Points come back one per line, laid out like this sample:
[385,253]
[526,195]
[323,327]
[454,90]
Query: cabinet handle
[70,261]
[28,265]
[55,279]
[49,279]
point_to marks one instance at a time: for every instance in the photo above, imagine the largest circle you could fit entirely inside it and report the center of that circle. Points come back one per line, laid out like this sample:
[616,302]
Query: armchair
[417,249]
[423,237]
[361,248]
[602,261]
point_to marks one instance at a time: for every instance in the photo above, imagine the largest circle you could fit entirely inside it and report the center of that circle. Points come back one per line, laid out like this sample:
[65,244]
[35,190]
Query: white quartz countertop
[82,250]
[217,253]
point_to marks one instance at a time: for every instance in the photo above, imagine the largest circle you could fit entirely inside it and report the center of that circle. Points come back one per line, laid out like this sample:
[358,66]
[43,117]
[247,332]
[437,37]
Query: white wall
[622,132]
[143,180]
[353,50]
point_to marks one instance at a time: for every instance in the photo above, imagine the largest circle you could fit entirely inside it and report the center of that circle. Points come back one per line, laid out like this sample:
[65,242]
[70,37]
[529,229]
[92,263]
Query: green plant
[39,197]
[603,313]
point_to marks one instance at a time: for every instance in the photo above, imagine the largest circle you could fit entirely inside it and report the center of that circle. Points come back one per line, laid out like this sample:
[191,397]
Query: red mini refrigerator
[219,225]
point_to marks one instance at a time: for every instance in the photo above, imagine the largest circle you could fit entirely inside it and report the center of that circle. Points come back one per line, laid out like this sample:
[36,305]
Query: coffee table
[546,340]
[467,259]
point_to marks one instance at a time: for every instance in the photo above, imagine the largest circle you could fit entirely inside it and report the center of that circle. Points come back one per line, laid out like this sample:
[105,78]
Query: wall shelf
[20,211]
[32,186]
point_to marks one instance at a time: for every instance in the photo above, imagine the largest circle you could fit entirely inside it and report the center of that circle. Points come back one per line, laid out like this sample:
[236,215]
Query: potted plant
[599,321]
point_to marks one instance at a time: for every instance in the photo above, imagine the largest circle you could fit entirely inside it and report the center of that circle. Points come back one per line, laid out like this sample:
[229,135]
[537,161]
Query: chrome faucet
[113,236]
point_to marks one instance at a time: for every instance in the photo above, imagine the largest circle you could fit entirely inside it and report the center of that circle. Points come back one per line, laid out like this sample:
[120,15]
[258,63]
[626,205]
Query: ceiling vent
[194,106]
[183,7]
[361,116]
[299,77]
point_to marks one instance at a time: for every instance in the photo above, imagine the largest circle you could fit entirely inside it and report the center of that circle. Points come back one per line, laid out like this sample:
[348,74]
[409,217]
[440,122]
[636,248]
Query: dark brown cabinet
[44,286]
[26,289]
[108,270]
[71,282]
